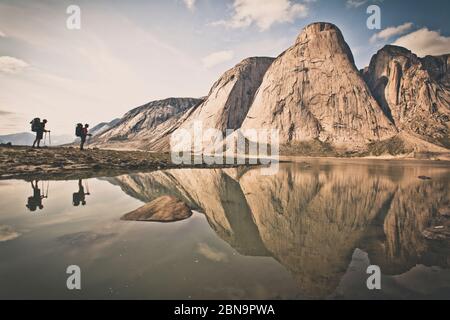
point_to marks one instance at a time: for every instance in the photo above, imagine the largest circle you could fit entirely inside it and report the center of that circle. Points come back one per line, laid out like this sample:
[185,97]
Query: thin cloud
[425,42]
[263,13]
[355,3]
[217,58]
[5,113]
[12,65]
[7,233]
[391,32]
[11,122]
[190,4]
[211,254]
[2,34]
[358,3]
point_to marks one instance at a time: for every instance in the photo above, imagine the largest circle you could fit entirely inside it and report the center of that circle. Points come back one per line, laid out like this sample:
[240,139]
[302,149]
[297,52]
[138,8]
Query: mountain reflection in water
[309,231]
[311,218]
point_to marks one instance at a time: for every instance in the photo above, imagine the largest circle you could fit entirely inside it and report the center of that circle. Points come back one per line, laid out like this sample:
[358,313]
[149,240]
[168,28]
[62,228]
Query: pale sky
[128,53]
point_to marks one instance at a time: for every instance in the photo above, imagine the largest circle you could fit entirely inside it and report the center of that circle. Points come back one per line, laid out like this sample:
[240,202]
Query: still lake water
[310,231]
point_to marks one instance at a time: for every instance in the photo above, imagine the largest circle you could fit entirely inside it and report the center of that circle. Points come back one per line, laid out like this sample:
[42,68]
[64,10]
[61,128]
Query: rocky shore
[70,162]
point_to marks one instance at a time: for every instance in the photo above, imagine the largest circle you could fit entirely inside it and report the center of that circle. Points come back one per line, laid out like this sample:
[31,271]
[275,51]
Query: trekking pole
[48,185]
[50,139]
[87,187]
[45,139]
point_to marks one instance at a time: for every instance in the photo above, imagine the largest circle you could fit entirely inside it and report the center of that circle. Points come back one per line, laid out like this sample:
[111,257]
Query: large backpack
[35,124]
[79,130]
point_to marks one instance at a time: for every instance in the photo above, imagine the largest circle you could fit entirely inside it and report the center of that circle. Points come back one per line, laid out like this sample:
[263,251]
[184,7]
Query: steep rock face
[316,98]
[314,91]
[414,93]
[229,99]
[140,124]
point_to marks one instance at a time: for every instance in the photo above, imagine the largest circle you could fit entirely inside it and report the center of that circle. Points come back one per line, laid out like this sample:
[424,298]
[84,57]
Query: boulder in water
[162,209]
[440,233]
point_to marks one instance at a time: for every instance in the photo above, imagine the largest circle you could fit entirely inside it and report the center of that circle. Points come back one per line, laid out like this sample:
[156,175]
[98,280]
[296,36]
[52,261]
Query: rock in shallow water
[162,209]
[437,233]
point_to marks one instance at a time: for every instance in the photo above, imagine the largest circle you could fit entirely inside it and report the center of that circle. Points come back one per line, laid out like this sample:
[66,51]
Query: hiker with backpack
[38,127]
[82,133]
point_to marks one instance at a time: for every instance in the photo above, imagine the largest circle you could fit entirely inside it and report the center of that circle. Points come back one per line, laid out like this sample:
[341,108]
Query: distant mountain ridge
[138,127]
[21,139]
[27,139]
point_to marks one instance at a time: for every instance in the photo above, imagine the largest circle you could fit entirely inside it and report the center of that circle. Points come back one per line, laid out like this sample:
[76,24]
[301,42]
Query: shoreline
[368,160]
[59,163]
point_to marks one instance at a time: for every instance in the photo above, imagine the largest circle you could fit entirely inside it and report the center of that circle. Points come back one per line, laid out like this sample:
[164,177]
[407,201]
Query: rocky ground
[70,162]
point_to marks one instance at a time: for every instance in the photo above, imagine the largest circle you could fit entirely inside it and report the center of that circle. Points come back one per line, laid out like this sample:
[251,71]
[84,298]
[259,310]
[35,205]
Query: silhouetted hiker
[80,196]
[35,201]
[83,134]
[38,127]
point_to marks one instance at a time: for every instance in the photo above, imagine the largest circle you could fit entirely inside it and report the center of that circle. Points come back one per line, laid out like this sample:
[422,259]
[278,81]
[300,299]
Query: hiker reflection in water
[80,196]
[35,201]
